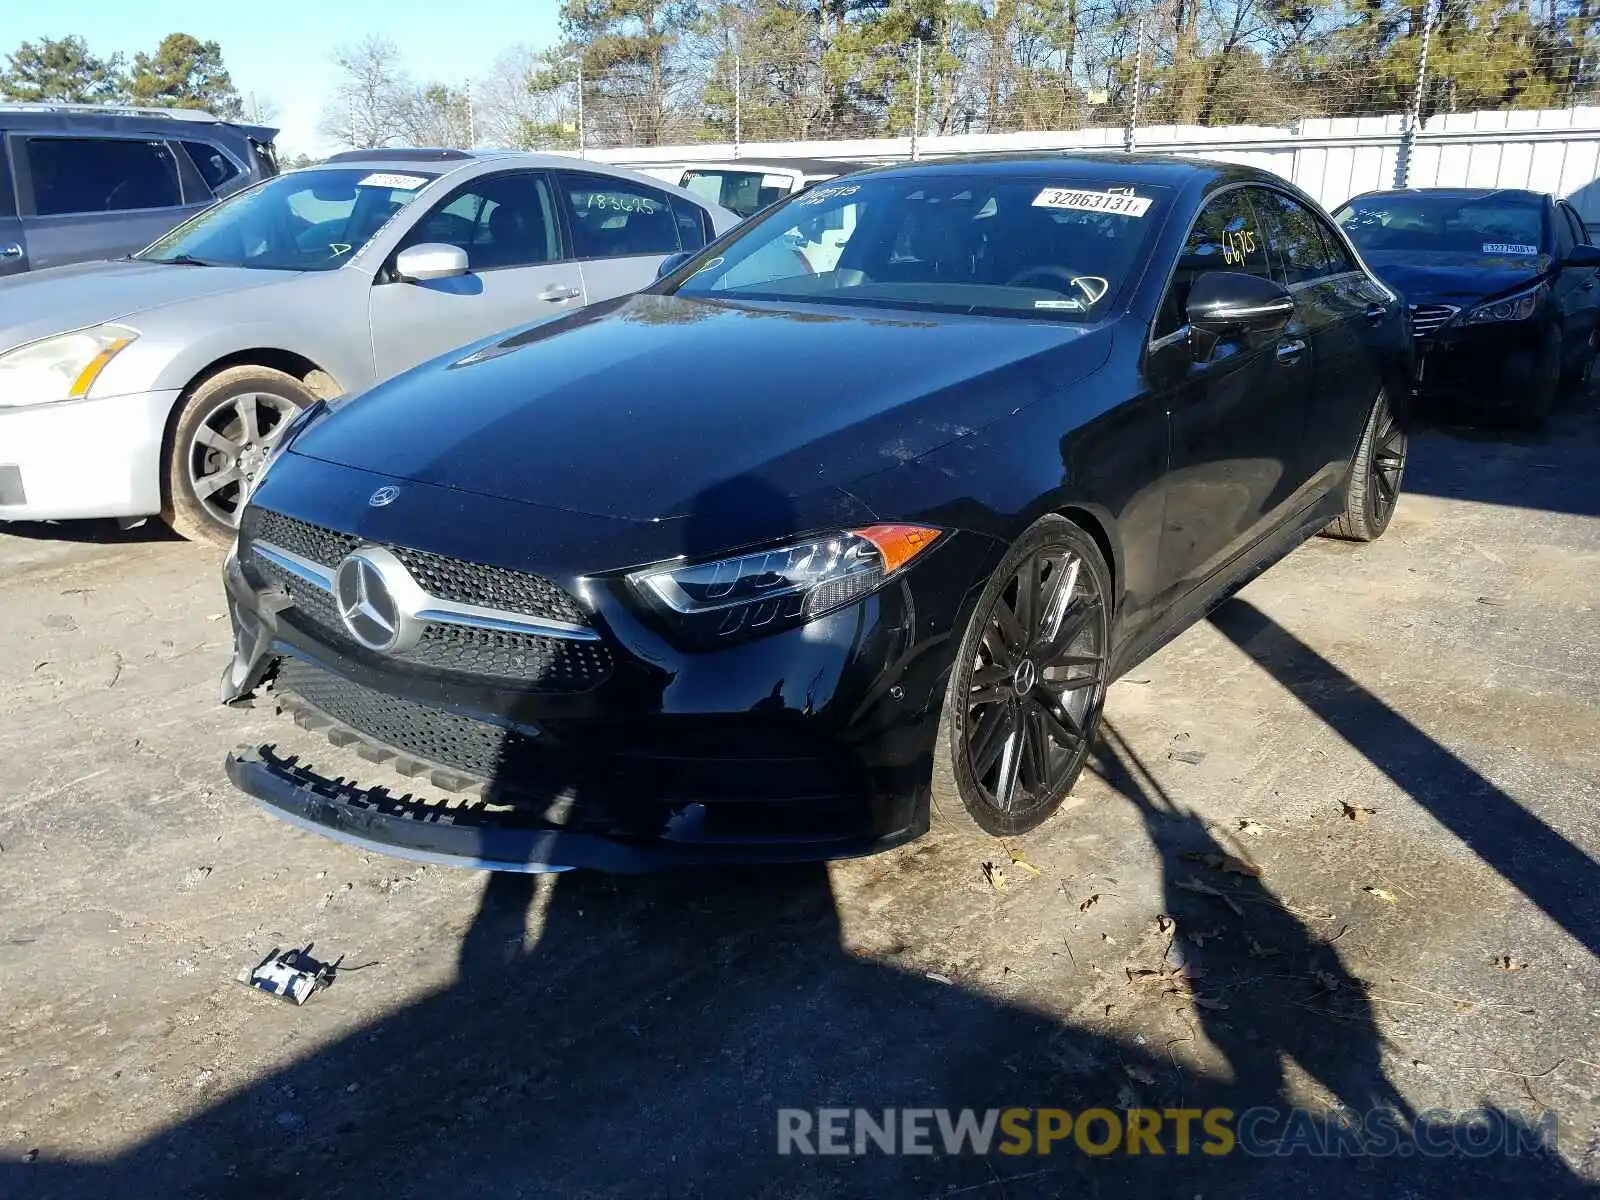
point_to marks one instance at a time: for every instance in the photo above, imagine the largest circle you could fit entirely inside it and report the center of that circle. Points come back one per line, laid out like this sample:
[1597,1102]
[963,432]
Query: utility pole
[916,101]
[472,119]
[1129,134]
[1413,119]
[581,147]
[738,102]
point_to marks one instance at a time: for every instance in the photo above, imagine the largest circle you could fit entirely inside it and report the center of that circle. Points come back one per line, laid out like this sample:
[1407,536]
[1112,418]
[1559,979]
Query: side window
[501,221]
[97,175]
[215,167]
[1225,237]
[1339,260]
[617,218]
[1565,238]
[1295,236]
[691,219]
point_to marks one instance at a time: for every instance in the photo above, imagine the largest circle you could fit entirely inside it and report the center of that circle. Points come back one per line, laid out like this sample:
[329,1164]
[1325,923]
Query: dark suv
[81,182]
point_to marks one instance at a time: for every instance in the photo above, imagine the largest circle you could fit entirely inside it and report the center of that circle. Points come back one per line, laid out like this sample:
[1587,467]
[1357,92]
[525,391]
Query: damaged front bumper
[639,803]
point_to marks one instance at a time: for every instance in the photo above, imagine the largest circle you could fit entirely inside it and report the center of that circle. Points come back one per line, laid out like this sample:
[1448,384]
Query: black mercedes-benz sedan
[1501,286]
[841,528]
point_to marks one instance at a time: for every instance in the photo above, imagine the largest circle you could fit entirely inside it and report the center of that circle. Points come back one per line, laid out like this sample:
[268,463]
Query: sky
[280,50]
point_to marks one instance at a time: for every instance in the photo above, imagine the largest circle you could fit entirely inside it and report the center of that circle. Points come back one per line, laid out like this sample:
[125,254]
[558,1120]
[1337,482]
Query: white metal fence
[1547,150]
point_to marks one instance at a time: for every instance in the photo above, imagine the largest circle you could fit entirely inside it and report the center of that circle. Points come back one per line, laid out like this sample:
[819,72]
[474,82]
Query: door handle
[1376,313]
[1587,284]
[1290,350]
[556,293]
[11,251]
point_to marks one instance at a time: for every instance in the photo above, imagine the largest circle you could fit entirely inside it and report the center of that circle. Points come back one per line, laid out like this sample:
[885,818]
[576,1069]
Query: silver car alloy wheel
[229,445]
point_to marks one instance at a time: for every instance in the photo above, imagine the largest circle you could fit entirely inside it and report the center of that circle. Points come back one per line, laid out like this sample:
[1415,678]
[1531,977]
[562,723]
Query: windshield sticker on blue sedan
[404,183]
[1120,204]
[1509,248]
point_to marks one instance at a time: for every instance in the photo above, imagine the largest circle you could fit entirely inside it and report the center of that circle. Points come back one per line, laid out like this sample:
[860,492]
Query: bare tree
[507,111]
[374,102]
[439,115]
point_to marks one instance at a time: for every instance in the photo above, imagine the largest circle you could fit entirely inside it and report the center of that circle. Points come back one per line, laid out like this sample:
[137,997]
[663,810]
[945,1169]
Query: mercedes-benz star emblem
[367,603]
[383,496]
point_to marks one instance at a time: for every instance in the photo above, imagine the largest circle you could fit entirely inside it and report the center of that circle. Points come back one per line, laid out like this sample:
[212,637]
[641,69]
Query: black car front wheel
[1029,681]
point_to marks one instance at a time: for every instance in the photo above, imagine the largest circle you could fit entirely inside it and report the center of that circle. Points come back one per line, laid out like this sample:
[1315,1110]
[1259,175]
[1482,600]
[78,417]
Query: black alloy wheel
[1387,467]
[1376,472]
[1026,694]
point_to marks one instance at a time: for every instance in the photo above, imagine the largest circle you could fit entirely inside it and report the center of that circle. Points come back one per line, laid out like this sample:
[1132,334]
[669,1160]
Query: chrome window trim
[437,611]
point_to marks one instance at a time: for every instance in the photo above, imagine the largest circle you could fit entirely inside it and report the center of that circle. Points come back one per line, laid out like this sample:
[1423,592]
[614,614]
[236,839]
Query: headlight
[767,590]
[59,368]
[1513,308]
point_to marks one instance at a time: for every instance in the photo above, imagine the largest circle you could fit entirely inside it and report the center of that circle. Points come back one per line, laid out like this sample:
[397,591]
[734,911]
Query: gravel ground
[1403,738]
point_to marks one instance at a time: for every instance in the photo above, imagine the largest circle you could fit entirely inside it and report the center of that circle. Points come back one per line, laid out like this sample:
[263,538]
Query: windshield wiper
[181,260]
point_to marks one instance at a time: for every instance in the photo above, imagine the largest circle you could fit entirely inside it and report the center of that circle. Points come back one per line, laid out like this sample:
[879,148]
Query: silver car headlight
[1512,308]
[58,368]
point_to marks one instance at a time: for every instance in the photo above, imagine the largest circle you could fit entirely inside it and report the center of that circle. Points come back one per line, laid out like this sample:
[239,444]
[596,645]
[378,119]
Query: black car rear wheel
[1030,678]
[1375,476]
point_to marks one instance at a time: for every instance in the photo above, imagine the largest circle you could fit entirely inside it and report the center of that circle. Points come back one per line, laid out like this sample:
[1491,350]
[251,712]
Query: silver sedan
[157,384]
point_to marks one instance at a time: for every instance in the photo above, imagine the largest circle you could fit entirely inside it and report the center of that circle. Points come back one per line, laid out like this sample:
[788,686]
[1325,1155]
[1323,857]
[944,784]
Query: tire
[1376,473]
[215,449]
[1578,379]
[1045,713]
[1537,384]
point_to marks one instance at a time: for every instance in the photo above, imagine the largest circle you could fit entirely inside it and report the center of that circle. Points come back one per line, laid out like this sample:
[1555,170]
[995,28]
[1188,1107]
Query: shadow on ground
[642,1044]
[1556,468]
[108,533]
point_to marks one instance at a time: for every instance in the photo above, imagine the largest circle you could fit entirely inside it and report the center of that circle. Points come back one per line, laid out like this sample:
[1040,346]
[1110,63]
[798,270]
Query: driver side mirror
[1583,256]
[430,260]
[1224,303]
[671,263]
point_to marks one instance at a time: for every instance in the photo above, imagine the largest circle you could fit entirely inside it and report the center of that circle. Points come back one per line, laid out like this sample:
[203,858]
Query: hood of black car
[639,408]
[1441,277]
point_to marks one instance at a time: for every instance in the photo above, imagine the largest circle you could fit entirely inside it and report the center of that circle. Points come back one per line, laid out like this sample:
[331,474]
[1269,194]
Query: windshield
[743,192]
[313,220]
[977,243]
[1493,223]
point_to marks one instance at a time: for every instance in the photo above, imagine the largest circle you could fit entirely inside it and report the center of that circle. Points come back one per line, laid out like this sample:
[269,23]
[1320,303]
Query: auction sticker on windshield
[1509,248]
[1122,204]
[404,183]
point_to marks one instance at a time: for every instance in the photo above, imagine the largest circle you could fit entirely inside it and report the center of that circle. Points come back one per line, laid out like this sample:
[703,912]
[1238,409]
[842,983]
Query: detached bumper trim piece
[356,816]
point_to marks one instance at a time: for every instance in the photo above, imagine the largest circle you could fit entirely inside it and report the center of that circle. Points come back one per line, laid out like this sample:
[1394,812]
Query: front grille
[490,587]
[481,749]
[325,546]
[532,662]
[554,664]
[1428,318]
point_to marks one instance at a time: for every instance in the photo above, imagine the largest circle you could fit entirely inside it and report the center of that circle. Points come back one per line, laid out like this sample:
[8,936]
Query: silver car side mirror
[430,260]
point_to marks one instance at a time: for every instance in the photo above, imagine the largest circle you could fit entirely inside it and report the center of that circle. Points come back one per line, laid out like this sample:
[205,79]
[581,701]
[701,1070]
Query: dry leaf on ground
[1357,813]
[1253,828]
[1089,903]
[1505,962]
[1019,861]
[1386,897]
